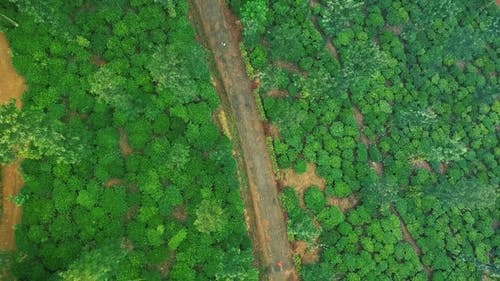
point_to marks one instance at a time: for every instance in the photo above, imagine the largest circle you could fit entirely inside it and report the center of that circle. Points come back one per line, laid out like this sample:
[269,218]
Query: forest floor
[269,233]
[11,87]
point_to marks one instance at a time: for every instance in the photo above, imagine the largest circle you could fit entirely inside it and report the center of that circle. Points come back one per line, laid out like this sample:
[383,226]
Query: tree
[30,135]
[314,199]
[254,14]
[103,263]
[210,217]
[330,217]
[109,87]
[236,265]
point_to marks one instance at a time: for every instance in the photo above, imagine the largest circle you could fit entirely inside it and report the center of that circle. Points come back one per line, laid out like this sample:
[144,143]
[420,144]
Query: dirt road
[11,87]
[270,233]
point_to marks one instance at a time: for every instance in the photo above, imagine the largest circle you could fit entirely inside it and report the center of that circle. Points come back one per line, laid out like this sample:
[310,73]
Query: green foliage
[330,217]
[27,135]
[341,189]
[103,71]
[104,263]
[300,167]
[422,76]
[209,217]
[314,199]
[177,239]
[289,199]
[234,265]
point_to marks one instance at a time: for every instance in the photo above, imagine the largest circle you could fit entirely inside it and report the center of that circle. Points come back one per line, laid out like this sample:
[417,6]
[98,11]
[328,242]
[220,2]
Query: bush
[330,217]
[314,199]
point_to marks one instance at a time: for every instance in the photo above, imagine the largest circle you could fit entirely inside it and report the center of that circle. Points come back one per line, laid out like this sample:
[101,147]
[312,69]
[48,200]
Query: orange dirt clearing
[359,121]
[125,147]
[300,182]
[276,93]
[271,130]
[344,204]
[11,84]
[112,182]
[307,254]
[11,87]
[421,164]
[11,215]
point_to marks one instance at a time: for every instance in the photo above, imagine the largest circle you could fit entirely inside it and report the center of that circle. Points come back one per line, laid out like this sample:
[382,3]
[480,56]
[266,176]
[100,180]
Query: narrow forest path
[12,86]
[269,231]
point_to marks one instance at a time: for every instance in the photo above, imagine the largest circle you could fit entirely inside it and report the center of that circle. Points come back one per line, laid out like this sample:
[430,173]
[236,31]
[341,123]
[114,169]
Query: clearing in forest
[11,87]
[269,231]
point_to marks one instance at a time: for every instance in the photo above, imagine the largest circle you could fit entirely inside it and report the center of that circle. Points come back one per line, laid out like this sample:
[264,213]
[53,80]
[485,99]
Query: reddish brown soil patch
[180,213]
[112,182]
[409,239]
[11,84]
[125,148]
[377,167]
[331,49]
[460,64]
[276,93]
[359,121]
[307,254]
[396,30]
[164,268]
[290,67]
[11,215]
[421,164]
[255,84]
[300,182]
[97,61]
[271,130]
[11,87]
[443,167]
[344,204]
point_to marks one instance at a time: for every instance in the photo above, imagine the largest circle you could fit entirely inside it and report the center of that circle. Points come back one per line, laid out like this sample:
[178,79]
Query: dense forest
[127,176]
[396,103]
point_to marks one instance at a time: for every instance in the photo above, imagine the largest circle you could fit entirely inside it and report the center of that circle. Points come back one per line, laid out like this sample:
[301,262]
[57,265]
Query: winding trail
[11,87]
[269,231]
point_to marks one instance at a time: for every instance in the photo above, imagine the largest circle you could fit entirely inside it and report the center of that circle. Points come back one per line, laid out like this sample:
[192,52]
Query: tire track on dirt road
[269,233]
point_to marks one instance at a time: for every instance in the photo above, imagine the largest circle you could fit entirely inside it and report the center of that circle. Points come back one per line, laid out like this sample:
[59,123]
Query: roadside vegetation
[126,176]
[396,104]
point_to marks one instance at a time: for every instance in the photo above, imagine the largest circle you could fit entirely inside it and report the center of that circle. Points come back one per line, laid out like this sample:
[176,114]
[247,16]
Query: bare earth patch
[308,254]
[11,84]
[11,215]
[331,49]
[344,204]
[97,61]
[271,130]
[421,164]
[180,213]
[359,121]
[290,67]
[113,182]
[377,167]
[11,87]
[300,182]
[125,148]
[276,93]
[443,167]
[396,30]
